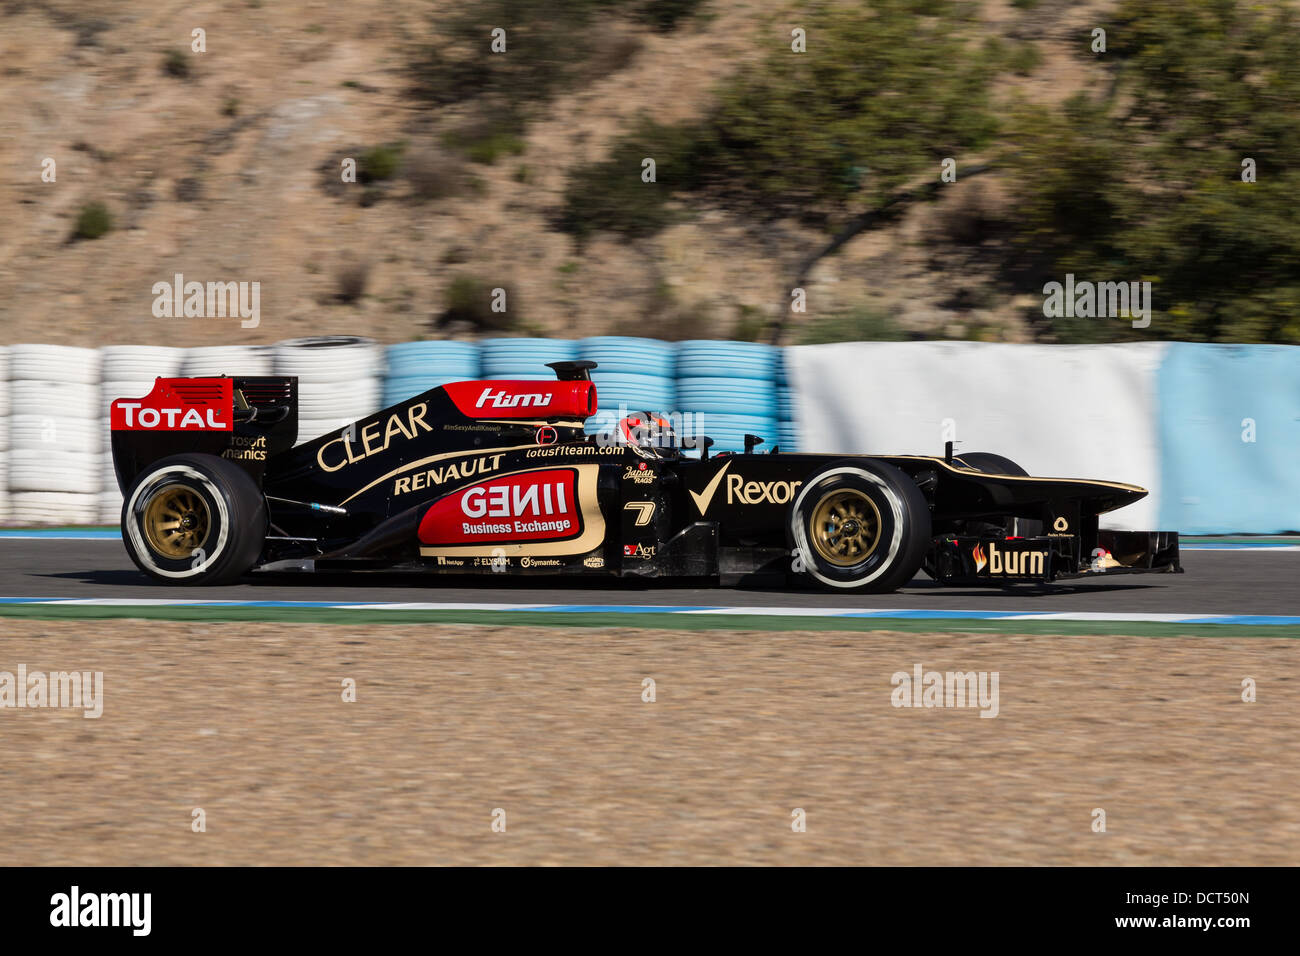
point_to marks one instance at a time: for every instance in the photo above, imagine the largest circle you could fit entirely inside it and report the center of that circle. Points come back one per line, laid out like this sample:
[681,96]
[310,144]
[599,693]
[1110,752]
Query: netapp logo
[503,399]
[103,909]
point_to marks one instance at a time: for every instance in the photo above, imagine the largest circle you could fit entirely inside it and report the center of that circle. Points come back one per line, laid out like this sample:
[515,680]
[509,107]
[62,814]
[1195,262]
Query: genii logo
[178,405]
[532,506]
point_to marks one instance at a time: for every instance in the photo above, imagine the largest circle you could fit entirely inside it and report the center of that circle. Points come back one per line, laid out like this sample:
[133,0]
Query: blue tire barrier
[452,361]
[628,355]
[1229,433]
[730,396]
[728,431]
[407,386]
[782,374]
[604,420]
[705,359]
[524,358]
[787,436]
[785,404]
[652,393]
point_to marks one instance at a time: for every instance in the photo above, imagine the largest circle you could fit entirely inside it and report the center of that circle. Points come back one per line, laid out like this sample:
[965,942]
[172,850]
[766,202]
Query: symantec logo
[178,405]
[535,506]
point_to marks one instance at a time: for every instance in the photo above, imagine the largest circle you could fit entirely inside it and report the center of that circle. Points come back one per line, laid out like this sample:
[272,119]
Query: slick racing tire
[859,525]
[992,464]
[194,519]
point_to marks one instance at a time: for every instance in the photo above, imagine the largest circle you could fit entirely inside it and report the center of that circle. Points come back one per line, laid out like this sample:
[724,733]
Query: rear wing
[244,419]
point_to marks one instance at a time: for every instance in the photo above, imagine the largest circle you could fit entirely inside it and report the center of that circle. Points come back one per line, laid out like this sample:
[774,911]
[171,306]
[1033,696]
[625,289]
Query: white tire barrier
[139,363]
[65,399]
[335,400]
[110,392]
[214,360]
[109,506]
[53,363]
[52,508]
[328,358]
[311,428]
[339,379]
[41,470]
[55,433]
[107,476]
[54,444]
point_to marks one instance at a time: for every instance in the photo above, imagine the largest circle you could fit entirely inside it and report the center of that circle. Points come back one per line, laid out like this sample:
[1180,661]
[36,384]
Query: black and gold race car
[499,477]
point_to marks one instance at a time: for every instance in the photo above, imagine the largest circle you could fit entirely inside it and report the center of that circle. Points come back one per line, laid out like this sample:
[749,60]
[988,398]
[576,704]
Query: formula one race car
[499,477]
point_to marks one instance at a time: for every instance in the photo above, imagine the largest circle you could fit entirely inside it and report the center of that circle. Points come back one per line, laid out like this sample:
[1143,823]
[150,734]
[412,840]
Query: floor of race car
[1250,581]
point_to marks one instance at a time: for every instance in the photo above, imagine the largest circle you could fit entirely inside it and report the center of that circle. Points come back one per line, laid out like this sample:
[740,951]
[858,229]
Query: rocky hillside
[224,165]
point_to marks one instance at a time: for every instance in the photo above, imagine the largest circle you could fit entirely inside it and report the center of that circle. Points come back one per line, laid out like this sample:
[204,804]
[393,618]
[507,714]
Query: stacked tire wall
[729,389]
[1211,430]
[55,444]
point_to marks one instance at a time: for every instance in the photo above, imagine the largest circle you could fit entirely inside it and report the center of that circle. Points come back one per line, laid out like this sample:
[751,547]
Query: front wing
[972,560]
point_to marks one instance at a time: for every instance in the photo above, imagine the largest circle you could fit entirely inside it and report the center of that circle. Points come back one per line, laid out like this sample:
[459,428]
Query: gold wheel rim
[845,527]
[176,521]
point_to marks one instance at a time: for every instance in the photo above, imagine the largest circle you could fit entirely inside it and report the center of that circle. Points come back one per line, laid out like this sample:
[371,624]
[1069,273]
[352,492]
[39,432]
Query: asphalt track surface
[1216,582]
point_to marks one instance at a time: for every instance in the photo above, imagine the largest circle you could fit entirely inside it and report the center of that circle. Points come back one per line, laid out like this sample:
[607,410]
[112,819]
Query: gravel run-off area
[546,730]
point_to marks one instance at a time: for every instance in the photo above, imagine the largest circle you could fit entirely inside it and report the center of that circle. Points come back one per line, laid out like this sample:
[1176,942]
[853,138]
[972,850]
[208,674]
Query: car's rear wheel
[859,525]
[194,519]
[992,464]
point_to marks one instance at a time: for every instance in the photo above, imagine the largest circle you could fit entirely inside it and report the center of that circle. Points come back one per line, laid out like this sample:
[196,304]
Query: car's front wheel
[992,464]
[860,525]
[194,519]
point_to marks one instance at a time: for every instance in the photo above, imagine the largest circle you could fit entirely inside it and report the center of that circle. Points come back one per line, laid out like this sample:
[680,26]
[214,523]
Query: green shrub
[351,280]
[177,63]
[896,91]
[486,145]
[1145,185]
[469,299]
[860,324]
[93,221]
[1024,57]
[433,175]
[548,47]
[666,15]
[379,163]
[611,195]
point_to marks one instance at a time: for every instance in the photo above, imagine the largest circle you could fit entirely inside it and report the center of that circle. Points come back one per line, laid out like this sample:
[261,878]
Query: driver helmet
[649,435]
